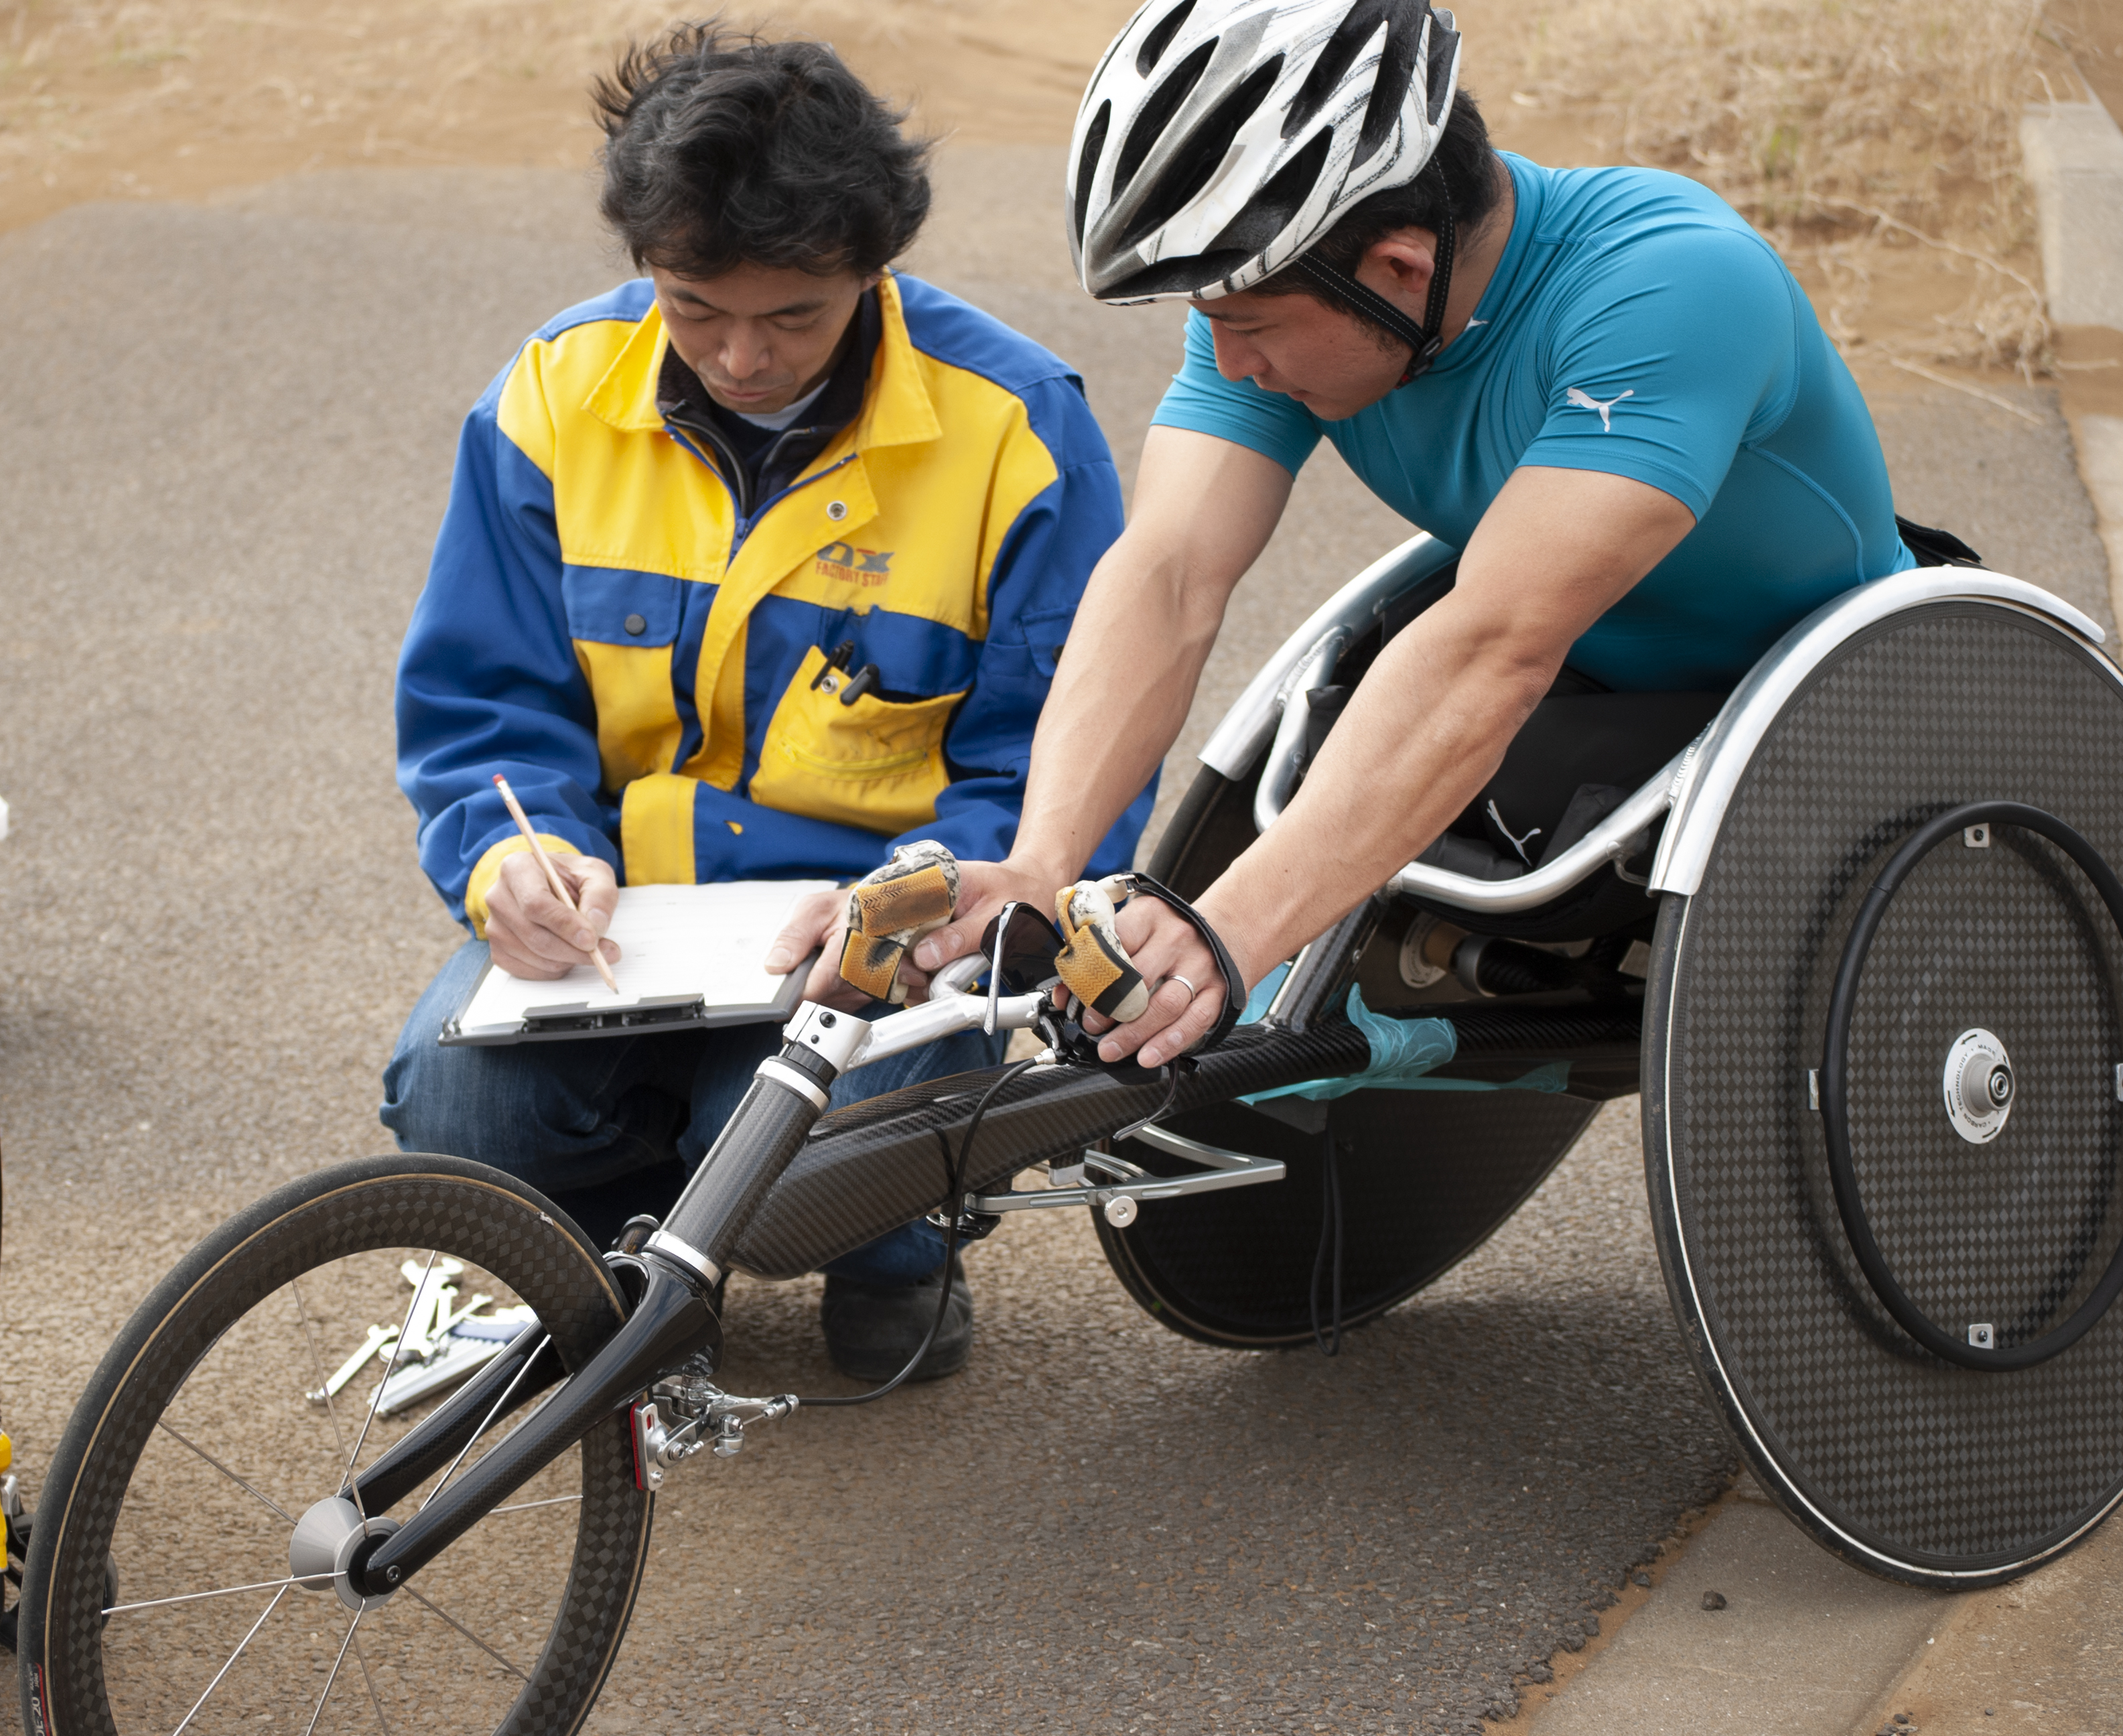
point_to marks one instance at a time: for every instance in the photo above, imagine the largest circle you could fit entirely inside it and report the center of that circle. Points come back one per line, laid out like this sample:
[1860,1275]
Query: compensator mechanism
[701,1417]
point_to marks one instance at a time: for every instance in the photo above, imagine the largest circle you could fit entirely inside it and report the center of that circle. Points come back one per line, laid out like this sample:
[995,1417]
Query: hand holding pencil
[526,947]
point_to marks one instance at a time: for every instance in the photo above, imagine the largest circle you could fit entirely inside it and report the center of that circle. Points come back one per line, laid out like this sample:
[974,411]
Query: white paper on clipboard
[676,942]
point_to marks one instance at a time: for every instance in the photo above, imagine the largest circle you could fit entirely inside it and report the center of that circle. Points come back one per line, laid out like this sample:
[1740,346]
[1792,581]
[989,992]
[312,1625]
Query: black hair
[723,149]
[1464,170]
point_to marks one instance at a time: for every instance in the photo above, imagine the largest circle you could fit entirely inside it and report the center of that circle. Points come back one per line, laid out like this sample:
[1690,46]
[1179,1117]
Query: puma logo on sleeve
[1579,400]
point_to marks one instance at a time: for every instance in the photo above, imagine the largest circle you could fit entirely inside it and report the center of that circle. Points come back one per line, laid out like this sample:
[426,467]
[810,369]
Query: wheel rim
[199,1458]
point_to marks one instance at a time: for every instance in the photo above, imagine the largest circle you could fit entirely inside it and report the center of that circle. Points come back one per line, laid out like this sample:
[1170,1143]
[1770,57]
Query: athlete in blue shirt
[1600,385]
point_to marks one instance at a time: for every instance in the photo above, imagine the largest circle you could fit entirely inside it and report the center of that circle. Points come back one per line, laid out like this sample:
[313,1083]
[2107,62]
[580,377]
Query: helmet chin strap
[1425,339]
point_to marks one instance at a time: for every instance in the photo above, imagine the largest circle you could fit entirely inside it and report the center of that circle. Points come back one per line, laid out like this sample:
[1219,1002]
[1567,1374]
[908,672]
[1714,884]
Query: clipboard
[690,959]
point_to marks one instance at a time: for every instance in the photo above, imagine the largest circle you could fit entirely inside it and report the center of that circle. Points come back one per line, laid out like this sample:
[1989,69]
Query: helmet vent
[1358,25]
[1157,112]
[1396,73]
[1160,38]
[1087,165]
[1276,206]
[1442,43]
[1189,172]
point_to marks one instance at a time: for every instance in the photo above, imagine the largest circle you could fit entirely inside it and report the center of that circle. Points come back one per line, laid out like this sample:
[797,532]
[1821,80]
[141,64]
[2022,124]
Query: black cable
[955,1172]
[1330,1235]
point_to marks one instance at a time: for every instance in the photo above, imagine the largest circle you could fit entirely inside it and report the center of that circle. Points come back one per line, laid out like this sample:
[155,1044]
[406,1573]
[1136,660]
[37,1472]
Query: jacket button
[837,511]
[636,626]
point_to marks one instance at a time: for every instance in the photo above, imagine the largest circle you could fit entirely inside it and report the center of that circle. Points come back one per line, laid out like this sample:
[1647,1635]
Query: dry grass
[103,99]
[1846,130]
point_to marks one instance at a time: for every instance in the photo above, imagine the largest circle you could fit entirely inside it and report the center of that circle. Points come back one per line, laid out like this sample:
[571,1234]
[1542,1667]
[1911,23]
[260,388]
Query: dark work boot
[873,1329]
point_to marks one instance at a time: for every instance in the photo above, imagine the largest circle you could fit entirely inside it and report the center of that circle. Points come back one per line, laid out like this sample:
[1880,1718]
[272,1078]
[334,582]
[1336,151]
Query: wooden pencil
[552,875]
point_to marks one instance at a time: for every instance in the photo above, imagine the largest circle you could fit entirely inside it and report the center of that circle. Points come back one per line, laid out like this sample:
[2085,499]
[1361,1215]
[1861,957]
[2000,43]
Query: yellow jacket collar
[897,410]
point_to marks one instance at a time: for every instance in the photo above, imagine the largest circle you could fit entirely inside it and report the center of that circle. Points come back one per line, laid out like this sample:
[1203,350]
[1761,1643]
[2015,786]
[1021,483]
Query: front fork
[671,1320]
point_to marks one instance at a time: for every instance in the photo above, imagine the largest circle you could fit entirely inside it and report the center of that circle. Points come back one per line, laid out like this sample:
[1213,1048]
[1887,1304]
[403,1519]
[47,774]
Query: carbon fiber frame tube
[755,1144]
[435,1442]
[875,1165]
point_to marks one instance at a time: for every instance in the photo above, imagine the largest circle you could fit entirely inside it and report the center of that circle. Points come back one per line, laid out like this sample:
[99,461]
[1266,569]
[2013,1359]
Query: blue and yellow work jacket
[648,664]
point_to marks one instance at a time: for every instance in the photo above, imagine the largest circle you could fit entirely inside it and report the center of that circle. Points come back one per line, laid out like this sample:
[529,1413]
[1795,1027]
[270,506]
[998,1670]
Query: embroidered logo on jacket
[844,562]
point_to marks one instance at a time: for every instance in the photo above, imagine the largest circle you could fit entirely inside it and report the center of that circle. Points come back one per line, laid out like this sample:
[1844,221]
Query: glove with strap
[889,909]
[1095,968]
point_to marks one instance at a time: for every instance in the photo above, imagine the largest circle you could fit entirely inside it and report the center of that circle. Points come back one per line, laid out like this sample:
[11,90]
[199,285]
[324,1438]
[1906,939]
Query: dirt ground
[186,99]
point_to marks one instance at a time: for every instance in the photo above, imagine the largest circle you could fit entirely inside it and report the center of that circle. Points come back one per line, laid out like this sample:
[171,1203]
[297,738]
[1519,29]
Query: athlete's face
[1332,362]
[759,337]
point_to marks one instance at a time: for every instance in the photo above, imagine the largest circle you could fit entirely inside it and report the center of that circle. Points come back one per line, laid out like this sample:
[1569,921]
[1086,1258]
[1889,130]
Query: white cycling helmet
[1220,138]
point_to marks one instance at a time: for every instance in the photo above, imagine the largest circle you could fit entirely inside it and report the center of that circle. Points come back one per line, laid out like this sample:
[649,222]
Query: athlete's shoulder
[1604,206]
[956,333]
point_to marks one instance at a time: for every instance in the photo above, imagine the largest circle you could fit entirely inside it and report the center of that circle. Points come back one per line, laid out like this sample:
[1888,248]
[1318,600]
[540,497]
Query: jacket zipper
[725,466]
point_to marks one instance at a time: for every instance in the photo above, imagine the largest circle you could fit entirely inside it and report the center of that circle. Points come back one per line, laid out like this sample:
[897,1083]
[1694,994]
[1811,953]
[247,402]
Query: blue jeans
[611,1126]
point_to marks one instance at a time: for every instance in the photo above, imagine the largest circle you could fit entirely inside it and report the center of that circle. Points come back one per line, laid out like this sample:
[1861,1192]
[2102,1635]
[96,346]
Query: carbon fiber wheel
[1996,958]
[198,1447]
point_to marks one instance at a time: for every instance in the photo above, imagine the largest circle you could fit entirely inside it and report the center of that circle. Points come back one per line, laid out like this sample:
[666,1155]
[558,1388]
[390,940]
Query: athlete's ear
[1399,265]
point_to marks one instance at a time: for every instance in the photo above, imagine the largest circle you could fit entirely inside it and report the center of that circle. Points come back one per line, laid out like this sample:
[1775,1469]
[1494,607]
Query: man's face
[759,337]
[1334,363]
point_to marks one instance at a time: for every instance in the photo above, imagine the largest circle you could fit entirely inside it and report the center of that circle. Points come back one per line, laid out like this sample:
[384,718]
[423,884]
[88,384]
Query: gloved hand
[892,907]
[1093,964]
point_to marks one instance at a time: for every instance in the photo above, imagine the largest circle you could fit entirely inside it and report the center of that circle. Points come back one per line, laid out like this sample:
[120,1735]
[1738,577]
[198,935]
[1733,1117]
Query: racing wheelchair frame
[1855,927]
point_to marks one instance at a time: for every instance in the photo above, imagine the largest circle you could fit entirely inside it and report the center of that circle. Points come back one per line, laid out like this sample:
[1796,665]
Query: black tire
[215,1363]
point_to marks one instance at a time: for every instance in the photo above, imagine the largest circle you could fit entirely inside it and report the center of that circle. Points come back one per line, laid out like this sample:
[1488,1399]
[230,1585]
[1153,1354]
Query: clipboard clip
[579,1015]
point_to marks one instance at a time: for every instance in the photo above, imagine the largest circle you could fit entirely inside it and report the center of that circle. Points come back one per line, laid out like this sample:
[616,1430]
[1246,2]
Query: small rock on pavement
[1713,1600]
[1643,1578]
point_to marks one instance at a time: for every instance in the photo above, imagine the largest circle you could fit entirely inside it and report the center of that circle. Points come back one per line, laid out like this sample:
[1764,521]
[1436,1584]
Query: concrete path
[227,436]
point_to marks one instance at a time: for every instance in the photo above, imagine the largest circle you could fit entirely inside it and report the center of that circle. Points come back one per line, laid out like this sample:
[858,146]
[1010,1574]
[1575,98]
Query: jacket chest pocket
[877,764]
[624,625]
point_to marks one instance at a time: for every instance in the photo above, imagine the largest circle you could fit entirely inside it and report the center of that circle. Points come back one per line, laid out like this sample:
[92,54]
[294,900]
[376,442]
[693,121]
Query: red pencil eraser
[497,777]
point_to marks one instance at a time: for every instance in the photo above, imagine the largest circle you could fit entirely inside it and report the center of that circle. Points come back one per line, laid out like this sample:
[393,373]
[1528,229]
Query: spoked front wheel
[198,1447]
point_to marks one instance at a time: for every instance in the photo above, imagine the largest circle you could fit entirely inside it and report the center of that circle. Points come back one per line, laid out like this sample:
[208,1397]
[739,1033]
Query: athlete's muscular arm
[1423,733]
[1203,510]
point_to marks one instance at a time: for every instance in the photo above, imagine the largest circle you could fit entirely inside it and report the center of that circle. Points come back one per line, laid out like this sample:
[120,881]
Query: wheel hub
[1979,1085]
[328,1540]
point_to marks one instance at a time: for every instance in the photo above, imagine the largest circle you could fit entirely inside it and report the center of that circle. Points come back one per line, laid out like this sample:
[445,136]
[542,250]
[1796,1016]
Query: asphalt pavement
[226,432]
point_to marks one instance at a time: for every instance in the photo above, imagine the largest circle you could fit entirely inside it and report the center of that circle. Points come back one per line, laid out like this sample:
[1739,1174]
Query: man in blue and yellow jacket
[752,569]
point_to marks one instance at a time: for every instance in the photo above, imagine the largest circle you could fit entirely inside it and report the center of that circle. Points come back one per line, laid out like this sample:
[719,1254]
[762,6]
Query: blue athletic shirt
[1635,326]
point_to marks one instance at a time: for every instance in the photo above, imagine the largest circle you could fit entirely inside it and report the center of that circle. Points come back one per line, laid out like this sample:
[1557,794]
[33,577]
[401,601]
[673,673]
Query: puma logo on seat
[1585,400]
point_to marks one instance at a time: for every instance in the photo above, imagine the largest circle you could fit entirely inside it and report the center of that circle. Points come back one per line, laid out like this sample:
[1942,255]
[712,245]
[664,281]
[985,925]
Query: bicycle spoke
[231,1664]
[264,1500]
[227,1591]
[487,1422]
[375,1700]
[334,1676]
[558,1500]
[346,1477]
[317,1362]
[428,1603]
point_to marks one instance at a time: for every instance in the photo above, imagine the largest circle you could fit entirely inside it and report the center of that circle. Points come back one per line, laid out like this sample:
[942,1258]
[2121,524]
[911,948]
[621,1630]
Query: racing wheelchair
[1854,939]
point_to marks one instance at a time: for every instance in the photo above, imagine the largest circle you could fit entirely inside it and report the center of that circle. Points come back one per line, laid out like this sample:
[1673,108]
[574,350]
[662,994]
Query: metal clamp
[1130,1183]
[711,1419]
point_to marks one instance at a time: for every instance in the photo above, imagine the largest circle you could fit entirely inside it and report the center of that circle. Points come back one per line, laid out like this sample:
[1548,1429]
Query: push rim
[1835,1089]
